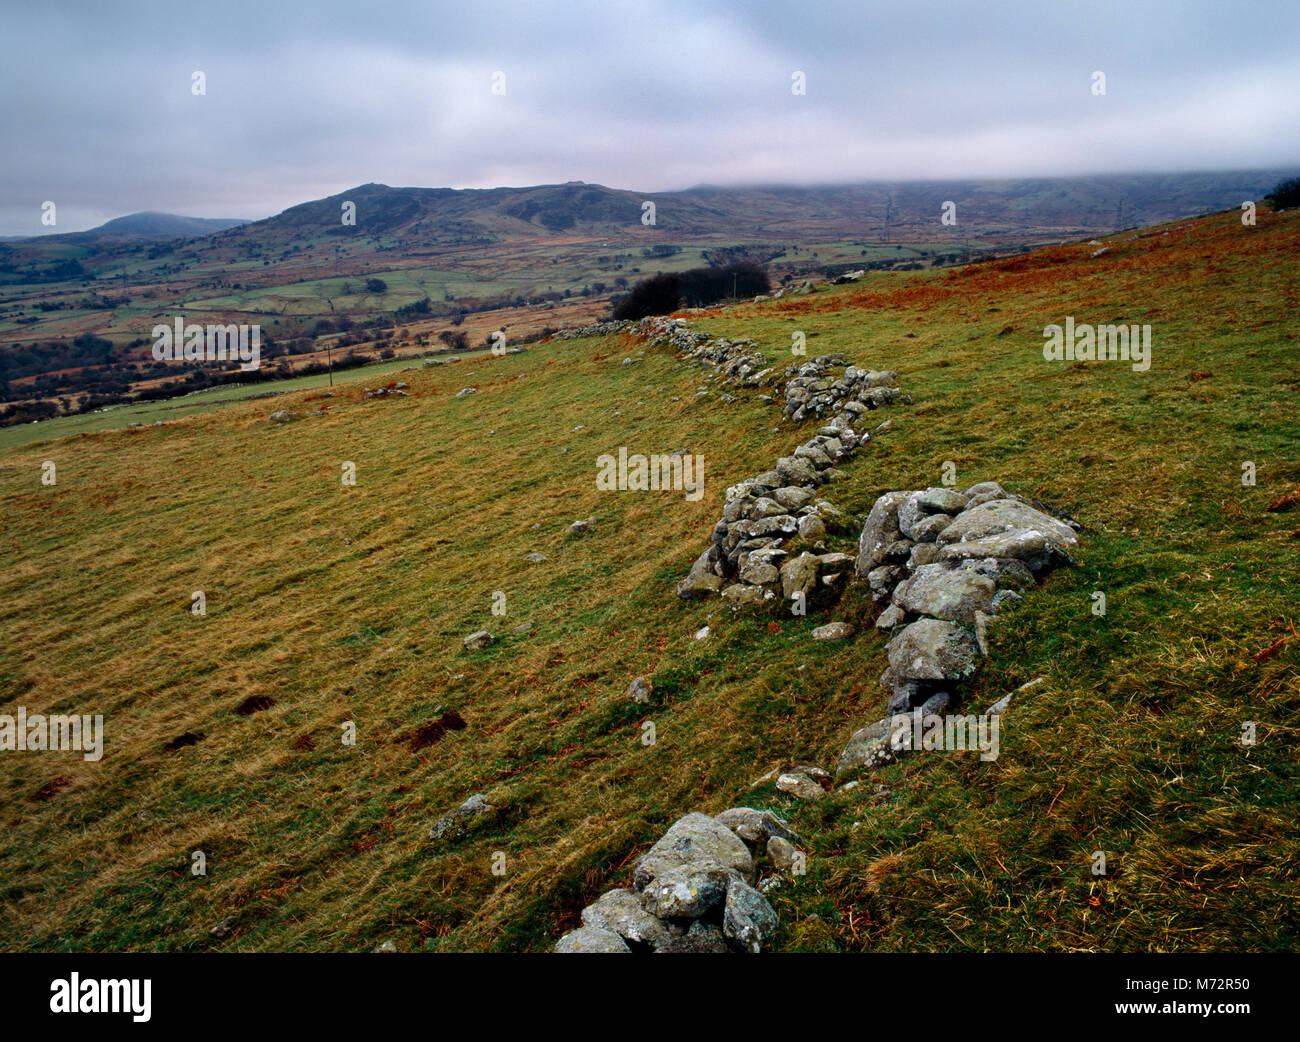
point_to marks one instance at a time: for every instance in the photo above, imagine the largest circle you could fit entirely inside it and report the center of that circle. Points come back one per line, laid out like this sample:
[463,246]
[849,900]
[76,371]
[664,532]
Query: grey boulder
[879,531]
[931,649]
[621,912]
[757,826]
[748,920]
[689,891]
[942,591]
[591,940]
[1006,515]
[692,839]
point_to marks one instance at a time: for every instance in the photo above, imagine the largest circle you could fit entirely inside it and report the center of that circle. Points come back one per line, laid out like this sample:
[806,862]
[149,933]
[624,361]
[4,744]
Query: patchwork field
[328,604]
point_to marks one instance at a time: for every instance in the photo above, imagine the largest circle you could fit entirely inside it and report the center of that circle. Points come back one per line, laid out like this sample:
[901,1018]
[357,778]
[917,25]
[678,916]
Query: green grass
[350,604]
[116,417]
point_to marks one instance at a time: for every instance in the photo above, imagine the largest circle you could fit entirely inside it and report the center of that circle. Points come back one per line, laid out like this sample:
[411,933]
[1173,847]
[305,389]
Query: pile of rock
[945,564]
[802,290]
[693,890]
[388,390]
[811,390]
[736,361]
[663,331]
[748,562]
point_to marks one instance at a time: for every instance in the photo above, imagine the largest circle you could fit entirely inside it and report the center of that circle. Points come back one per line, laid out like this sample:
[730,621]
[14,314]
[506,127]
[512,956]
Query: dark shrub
[697,287]
[657,295]
[1286,194]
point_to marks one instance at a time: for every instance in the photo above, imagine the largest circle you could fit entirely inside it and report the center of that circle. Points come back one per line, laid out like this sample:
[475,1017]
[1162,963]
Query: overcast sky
[97,111]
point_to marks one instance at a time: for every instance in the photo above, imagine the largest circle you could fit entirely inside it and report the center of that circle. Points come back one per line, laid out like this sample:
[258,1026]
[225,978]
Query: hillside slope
[343,604]
[147,225]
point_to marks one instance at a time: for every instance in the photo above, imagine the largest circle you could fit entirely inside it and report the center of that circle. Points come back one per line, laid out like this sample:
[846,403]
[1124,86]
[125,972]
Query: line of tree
[697,287]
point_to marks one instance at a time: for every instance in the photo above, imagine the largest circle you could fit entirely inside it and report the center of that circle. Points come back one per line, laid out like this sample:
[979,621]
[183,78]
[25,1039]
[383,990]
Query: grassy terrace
[350,604]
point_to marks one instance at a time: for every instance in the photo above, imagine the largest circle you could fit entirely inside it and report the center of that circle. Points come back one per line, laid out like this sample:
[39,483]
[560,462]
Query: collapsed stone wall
[946,564]
[737,362]
[749,563]
[811,391]
[608,328]
[693,891]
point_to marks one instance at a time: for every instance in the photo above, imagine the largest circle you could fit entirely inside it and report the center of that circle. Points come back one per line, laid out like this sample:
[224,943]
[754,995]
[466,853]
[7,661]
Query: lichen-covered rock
[748,919]
[621,912]
[758,572]
[1028,545]
[835,562]
[703,580]
[834,631]
[945,591]
[909,512]
[879,531]
[742,597]
[985,492]
[1006,515]
[692,839]
[757,826]
[924,553]
[794,470]
[931,649]
[783,853]
[875,745]
[640,690]
[927,529]
[812,528]
[688,891]
[943,501]
[800,786]
[455,824]
[592,940]
[792,497]
[891,617]
[697,585]
[882,580]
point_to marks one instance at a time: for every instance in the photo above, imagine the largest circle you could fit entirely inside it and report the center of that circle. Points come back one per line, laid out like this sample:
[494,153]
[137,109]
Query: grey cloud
[306,100]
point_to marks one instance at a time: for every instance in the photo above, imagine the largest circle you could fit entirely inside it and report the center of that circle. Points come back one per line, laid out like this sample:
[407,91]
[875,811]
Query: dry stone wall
[749,562]
[944,563]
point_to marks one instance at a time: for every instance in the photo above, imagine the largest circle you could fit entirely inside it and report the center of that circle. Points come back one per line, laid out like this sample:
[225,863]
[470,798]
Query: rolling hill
[146,225]
[329,605]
